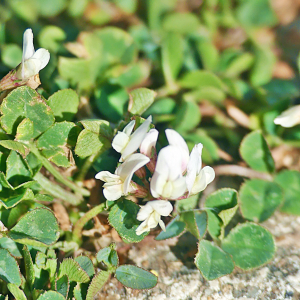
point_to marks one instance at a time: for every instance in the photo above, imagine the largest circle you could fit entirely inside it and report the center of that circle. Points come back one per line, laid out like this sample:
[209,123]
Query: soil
[172,260]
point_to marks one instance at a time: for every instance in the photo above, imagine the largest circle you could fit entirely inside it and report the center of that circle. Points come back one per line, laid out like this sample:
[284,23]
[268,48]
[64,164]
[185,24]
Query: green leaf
[118,46]
[188,218]
[210,148]
[51,37]
[250,245]
[289,181]
[135,277]
[262,70]
[51,295]
[55,143]
[96,284]
[17,293]
[256,13]
[212,261]
[11,246]
[62,285]
[12,198]
[201,222]
[221,207]
[25,130]
[37,227]
[64,104]
[139,100]
[9,269]
[14,145]
[100,127]
[90,143]
[79,71]
[183,23]
[11,55]
[86,264]
[174,228]
[256,153]
[17,169]
[29,267]
[259,199]
[201,79]
[172,57]
[123,218]
[187,116]
[209,53]
[111,101]
[22,103]
[131,76]
[109,256]
[72,269]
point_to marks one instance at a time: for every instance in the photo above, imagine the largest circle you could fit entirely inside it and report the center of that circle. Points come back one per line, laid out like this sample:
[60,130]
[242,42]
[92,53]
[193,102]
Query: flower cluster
[175,173]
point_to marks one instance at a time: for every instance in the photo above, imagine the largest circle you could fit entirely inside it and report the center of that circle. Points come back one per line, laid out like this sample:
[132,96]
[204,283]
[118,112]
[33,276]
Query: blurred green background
[221,68]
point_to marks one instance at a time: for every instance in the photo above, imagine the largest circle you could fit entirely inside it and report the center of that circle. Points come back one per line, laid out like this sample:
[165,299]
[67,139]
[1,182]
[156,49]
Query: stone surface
[280,279]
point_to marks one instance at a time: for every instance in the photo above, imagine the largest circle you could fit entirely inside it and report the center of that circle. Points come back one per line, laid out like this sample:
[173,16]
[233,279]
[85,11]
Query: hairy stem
[48,165]
[234,170]
[77,231]
[56,190]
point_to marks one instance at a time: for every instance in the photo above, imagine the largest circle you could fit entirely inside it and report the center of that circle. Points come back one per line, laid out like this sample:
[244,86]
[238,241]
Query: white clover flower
[126,143]
[119,184]
[175,139]
[151,214]
[149,142]
[167,181]
[32,61]
[289,117]
[197,178]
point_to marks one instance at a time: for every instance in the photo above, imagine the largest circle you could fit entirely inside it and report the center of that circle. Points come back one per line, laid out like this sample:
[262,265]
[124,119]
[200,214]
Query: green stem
[77,231]
[56,190]
[86,166]
[47,164]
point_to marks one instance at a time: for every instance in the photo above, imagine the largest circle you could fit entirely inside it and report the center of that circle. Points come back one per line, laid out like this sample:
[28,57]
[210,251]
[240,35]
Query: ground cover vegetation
[126,120]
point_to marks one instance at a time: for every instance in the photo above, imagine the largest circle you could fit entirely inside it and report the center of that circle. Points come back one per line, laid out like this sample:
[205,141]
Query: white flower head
[119,184]
[289,117]
[197,178]
[175,139]
[167,181]
[32,61]
[126,143]
[151,214]
[149,142]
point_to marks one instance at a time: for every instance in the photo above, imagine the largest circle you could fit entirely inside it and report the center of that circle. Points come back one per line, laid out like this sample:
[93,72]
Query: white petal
[129,127]
[142,228]
[144,212]
[163,207]
[28,48]
[175,139]
[289,117]
[120,141]
[194,166]
[179,188]
[206,176]
[169,162]
[107,176]
[209,174]
[43,56]
[162,225]
[113,192]
[30,67]
[127,169]
[149,142]
[157,184]
[153,219]
[136,139]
